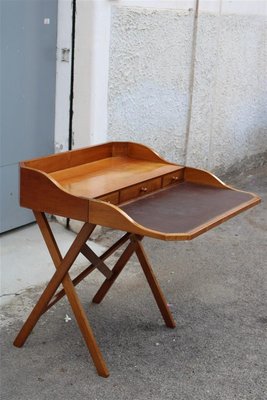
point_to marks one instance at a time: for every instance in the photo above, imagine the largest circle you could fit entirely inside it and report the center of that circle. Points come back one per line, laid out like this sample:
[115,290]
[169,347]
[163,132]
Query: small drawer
[140,189]
[112,198]
[173,177]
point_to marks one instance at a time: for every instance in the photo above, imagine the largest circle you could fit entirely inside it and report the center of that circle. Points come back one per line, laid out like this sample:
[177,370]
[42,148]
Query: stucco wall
[192,88]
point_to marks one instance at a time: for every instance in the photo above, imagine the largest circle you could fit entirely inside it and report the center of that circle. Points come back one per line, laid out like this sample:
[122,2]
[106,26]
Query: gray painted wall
[203,105]
[28,73]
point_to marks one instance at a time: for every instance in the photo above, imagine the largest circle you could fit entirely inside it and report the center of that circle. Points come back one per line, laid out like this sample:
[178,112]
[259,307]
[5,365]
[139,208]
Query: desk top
[105,176]
[128,186]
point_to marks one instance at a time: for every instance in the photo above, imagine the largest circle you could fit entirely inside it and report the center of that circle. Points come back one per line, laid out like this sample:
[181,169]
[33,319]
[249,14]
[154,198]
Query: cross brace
[49,296]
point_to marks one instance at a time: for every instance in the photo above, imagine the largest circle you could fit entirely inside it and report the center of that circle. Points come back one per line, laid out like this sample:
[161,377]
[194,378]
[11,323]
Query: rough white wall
[228,120]
[150,61]
[155,69]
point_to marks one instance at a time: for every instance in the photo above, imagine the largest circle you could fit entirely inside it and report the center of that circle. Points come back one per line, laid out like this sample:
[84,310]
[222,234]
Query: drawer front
[173,177]
[140,189]
[112,198]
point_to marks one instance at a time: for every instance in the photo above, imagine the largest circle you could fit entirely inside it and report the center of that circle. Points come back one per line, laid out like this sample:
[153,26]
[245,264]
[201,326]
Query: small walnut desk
[125,186]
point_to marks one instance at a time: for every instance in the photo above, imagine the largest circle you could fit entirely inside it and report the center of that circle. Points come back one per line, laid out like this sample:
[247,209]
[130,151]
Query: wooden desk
[125,186]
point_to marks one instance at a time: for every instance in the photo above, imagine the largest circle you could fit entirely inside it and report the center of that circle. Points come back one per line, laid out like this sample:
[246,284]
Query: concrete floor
[24,258]
[216,288]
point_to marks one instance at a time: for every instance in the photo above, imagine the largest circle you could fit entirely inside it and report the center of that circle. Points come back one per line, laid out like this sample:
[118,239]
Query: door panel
[28,74]
[11,212]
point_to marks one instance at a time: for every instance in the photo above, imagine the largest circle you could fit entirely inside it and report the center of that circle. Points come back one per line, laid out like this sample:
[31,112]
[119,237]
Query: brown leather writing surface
[183,207]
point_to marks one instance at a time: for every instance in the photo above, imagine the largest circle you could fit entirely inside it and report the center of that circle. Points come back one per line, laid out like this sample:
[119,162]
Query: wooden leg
[153,283]
[88,270]
[61,276]
[120,264]
[136,246]
[54,282]
[85,328]
[95,260]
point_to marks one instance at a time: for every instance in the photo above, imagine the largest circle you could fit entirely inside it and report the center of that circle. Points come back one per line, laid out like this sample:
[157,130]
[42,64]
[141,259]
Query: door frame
[64,75]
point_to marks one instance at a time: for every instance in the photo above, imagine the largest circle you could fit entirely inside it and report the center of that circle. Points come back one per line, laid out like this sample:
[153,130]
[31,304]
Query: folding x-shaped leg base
[61,276]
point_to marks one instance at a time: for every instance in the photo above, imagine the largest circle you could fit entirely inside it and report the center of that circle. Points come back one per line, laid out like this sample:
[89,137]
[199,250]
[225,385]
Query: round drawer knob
[175,178]
[143,189]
